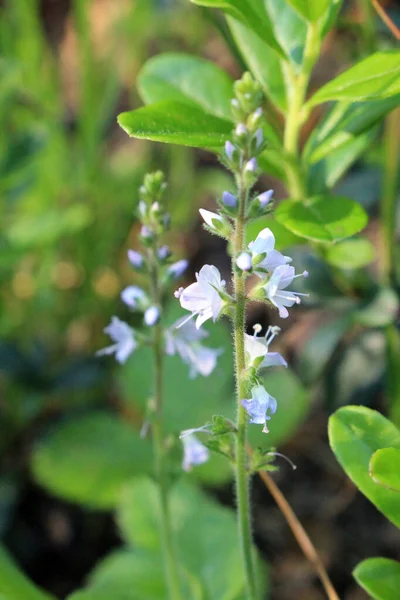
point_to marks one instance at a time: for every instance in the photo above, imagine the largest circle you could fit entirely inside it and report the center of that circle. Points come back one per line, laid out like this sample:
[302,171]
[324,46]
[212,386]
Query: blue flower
[258,406]
[136,259]
[177,269]
[124,338]
[194,452]
[152,316]
[134,297]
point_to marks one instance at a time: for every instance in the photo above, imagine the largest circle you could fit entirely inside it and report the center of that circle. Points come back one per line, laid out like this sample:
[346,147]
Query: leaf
[380,578]
[14,585]
[88,459]
[380,310]
[205,534]
[176,123]
[355,433]
[290,29]
[250,12]
[323,218]
[351,254]
[283,237]
[311,10]
[384,468]
[262,61]
[375,77]
[133,575]
[187,79]
[294,402]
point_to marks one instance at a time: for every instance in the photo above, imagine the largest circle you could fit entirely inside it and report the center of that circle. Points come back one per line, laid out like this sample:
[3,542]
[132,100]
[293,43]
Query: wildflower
[184,338]
[257,354]
[251,166]
[229,150]
[244,261]
[259,137]
[163,252]
[265,257]
[194,452]
[274,289]
[177,269]
[229,200]
[265,198]
[134,297]
[152,316]
[211,219]
[124,338]
[136,259]
[257,407]
[203,298]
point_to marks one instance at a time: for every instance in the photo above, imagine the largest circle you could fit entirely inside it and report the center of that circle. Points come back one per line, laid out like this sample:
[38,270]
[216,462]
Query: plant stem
[295,116]
[368,25]
[160,467]
[242,477]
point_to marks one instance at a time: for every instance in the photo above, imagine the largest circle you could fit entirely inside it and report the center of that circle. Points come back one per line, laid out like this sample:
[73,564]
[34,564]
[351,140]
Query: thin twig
[386,19]
[299,533]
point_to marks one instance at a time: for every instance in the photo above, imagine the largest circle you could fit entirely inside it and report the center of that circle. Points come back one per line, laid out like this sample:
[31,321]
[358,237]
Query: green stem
[160,466]
[242,477]
[368,25]
[296,115]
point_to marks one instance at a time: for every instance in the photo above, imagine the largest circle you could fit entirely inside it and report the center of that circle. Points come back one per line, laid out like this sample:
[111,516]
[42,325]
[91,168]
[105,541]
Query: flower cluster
[207,298]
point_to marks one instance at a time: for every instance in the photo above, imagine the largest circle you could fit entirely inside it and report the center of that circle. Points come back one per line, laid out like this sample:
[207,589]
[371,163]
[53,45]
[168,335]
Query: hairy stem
[160,466]
[242,477]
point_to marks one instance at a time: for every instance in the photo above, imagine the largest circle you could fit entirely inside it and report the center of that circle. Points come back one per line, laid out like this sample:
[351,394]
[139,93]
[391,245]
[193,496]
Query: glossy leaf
[355,433]
[14,585]
[384,468]
[290,29]
[351,254]
[176,123]
[311,10]
[262,61]
[188,79]
[375,77]
[250,12]
[380,578]
[322,218]
[88,459]
[204,531]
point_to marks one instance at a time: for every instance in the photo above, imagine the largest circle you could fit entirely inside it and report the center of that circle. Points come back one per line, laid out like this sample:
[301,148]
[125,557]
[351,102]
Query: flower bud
[135,259]
[229,200]
[244,261]
[177,269]
[152,316]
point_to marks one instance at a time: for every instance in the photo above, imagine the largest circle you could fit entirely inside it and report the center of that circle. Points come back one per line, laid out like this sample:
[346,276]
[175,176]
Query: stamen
[194,314]
[291,463]
[257,328]
[178,292]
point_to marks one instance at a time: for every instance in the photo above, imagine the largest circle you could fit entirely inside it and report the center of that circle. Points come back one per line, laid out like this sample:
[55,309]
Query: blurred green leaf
[322,218]
[379,311]
[205,534]
[384,468]
[355,433]
[375,77]
[311,10]
[283,237]
[379,577]
[250,12]
[88,459]
[294,402]
[176,123]
[290,29]
[14,585]
[188,79]
[262,61]
[133,575]
[351,254]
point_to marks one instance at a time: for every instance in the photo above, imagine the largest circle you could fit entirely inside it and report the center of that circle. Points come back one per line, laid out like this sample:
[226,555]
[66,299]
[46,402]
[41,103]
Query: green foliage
[380,577]
[322,219]
[351,254]
[384,467]
[355,434]
[311,10]
[13,583]
[88,459]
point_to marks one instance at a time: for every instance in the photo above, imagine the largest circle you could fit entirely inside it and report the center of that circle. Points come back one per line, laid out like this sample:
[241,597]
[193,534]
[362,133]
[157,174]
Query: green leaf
[351,254]
[380,578]
[14,585]
[384,468]
[176,123]
[294,402]
[290,29]
[262,61]
[205,534]
[88,459]
[375,77]
[380,310]
[250,12]
[311,10]
[189,80]
[283,237]
[355,433]
[322,218]
[133,575]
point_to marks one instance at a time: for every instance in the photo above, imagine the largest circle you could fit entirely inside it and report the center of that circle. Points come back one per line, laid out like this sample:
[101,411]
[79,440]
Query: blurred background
[68,182]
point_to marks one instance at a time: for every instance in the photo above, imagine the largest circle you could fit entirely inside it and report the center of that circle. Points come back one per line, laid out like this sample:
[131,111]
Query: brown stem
[386,19]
